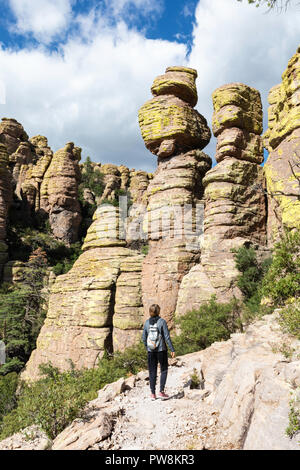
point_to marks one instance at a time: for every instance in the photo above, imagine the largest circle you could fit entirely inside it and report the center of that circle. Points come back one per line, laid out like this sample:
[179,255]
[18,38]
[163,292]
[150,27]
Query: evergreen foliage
[282,282]
[212,322]
[58,398]
[22,312]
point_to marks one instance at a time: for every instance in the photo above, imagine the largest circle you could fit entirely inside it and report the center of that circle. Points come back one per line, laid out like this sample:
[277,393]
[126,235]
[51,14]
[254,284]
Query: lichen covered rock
[59,193]
[174,131]
[96,306]
[235,211]
[5,201]
[282,139]
[168,122]
[12,134]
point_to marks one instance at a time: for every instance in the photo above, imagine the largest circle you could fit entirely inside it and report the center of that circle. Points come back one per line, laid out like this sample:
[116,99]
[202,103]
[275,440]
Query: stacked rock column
[97,305]
[282,140]
[176,133]
[235,206]
[59,193]
[5,200]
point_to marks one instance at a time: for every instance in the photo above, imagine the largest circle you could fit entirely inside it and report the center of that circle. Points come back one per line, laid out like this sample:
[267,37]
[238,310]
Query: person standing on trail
[156,337]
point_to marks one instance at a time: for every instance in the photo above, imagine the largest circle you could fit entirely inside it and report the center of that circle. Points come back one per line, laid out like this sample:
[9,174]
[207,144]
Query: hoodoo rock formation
[59,193]
[235,210]
[176,133]
[97,305]
[5,200]
[282,140]
[192,216]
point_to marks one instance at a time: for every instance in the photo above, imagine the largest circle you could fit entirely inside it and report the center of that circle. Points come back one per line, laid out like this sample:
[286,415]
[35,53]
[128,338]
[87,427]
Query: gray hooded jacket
[165,335]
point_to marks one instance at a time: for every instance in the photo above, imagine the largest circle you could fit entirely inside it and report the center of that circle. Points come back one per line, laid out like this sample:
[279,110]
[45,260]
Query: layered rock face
[235,211]
[176,133]
[5,201]
[97,305]
[59,193]
[282,139]
[12,134]
[43,182]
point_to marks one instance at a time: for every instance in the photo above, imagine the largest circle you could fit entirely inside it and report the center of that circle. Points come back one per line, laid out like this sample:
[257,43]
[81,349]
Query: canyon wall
[282,139]
[191,215]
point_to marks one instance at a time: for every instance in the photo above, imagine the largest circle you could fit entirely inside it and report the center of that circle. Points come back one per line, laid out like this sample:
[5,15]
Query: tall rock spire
[176,133]
[235,210]
[282,140]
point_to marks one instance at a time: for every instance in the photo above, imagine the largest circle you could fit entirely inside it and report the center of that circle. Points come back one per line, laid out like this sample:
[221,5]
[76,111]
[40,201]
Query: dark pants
[154,358]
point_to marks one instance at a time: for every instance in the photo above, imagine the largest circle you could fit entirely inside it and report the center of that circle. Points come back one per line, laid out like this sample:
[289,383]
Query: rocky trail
[242,402]
[164,423]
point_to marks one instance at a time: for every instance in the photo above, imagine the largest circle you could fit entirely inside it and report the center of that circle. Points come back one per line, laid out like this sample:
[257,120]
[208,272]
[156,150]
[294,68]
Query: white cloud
[91,93]
[143,6]
[236,42]
[44,19]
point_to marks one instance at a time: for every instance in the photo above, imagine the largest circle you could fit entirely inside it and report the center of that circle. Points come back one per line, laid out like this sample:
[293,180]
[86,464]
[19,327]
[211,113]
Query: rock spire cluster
[174,131]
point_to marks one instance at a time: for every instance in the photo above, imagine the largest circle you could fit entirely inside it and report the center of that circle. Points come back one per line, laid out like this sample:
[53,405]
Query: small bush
[212,322]
[250,279]
[289,319]
[55,400]
[294,416]
[8,386]
[282,282]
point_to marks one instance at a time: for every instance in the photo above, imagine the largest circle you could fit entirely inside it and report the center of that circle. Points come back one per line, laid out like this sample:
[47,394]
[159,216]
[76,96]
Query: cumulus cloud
[90,91]
[44,19]
[143,6]
[236,42]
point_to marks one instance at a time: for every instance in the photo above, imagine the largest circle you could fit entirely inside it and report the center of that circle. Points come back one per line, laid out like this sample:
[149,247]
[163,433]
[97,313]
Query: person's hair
[154,310]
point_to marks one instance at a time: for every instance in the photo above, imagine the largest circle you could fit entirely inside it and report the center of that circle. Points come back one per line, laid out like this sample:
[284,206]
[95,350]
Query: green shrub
[57,398]
[8,386]
[282,282]
[289,319]
[212,322]
[22,313]
[294,416]
[250,279]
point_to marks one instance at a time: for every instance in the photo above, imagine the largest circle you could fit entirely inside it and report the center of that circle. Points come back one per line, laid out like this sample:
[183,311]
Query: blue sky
[78,70]
[168,19]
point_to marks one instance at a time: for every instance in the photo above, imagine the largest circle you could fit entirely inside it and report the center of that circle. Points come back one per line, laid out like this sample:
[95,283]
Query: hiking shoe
[153,396]
[163,395]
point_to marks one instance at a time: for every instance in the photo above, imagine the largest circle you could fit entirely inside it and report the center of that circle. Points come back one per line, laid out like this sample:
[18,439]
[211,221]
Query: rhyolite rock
[5,201]
[235,210]
[59,193]
[174,131]
[12,134]
[97,305]
[168,122]
[282,139]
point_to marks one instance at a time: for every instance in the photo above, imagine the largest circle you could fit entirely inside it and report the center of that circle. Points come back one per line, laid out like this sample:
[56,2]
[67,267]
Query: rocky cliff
[242,402]
[191,215]
[282,139]
[235,211]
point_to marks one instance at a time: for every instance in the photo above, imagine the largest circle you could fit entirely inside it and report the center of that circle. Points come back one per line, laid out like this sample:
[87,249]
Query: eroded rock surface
[59,193]
[5,201]
[282,139]
[235,209]
[242,401]
[97,305]
[176,133]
